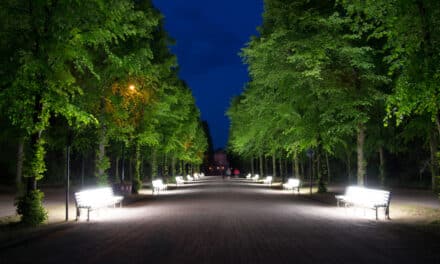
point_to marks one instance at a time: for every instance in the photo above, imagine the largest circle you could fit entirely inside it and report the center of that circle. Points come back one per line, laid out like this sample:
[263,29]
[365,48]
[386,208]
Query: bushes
[31,209]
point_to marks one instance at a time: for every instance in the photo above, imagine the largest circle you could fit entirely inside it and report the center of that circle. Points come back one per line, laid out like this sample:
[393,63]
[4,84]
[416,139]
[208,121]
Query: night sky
[209,36]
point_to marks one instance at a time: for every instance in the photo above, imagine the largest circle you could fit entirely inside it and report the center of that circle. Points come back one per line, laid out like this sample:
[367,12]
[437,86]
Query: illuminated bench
[268,180]
[179,180]
[158,186]
[366,198]
[95,199]
[256,177]
[249,176]
[292,184]
[189,178]
[196,176]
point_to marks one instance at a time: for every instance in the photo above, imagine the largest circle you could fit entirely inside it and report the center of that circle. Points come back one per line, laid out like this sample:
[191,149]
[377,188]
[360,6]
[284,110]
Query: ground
[235,222]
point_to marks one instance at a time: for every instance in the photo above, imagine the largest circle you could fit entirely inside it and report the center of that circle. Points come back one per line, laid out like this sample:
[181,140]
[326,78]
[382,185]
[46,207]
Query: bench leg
[387,212]
[77,214]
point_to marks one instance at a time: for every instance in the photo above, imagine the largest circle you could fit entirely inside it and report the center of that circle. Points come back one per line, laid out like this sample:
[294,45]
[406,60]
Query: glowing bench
[268,180]
[189,178]
[196,176]
[158,186]
[366,198]
[179,180]
[256,177]
[292,184]
[249,176]
[95,199]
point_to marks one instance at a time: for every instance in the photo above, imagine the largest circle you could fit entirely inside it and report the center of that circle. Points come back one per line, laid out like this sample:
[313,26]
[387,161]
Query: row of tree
[97,76]
[341,77]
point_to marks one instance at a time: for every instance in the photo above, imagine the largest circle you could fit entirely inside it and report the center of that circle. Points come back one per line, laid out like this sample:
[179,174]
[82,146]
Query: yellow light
[131,87]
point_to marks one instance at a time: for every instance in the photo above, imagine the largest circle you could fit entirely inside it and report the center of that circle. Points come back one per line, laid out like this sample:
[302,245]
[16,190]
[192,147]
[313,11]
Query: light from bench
[196,176]
[158,186]
[249,176]
[179,180]
[93,199]
[189,178]
[292,184]
[268,180]
[366,198]
[256,177]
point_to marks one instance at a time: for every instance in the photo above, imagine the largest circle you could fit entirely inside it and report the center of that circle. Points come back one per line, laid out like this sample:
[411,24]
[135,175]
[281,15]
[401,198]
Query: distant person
[228,172]
[236,172]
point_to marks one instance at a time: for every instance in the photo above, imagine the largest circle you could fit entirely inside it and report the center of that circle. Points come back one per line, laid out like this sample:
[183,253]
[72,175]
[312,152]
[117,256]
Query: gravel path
[229,222]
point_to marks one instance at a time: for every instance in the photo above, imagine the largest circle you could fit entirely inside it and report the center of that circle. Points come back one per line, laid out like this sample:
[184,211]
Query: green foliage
[102,165]
[37,166]
[30,207]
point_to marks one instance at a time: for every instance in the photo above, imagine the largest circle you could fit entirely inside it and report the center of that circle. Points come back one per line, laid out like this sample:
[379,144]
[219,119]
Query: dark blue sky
[209,36]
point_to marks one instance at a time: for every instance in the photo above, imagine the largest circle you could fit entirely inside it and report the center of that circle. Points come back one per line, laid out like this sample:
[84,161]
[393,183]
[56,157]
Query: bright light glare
[291,183]
[366,196]
[131,87]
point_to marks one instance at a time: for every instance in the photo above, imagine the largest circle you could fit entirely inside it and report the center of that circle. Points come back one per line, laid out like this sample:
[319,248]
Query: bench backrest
[157,183]
[293,182]
[94,196]
[367,196]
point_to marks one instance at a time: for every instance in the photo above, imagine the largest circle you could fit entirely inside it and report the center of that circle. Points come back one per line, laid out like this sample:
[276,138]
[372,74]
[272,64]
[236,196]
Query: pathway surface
[229,222]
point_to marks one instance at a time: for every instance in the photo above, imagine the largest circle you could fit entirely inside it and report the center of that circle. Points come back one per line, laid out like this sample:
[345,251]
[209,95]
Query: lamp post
[310,154]
[69,143]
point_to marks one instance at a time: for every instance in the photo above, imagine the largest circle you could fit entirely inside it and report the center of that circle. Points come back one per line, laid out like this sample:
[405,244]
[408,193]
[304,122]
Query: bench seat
[158,186]
[292,184]
[366,198]
[268,180]
[95,199]
[180,180]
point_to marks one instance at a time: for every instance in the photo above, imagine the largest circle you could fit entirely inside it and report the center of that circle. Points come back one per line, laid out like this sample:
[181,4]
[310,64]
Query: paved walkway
[229,222]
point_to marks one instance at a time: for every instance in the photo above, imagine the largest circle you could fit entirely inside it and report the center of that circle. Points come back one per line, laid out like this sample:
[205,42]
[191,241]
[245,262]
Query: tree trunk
[348,163]
[32,179]
[274,165]
[173,166]
[433,164]
[382,175]
[165,166]
[294,175]
[137,162]
[83,161]
[281,168]
[101,162]
[252,166]
[261,165]
[296,161]
[328,167]
[153,165]
[361,162]
[117,169]
[130,169]
[19,167]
